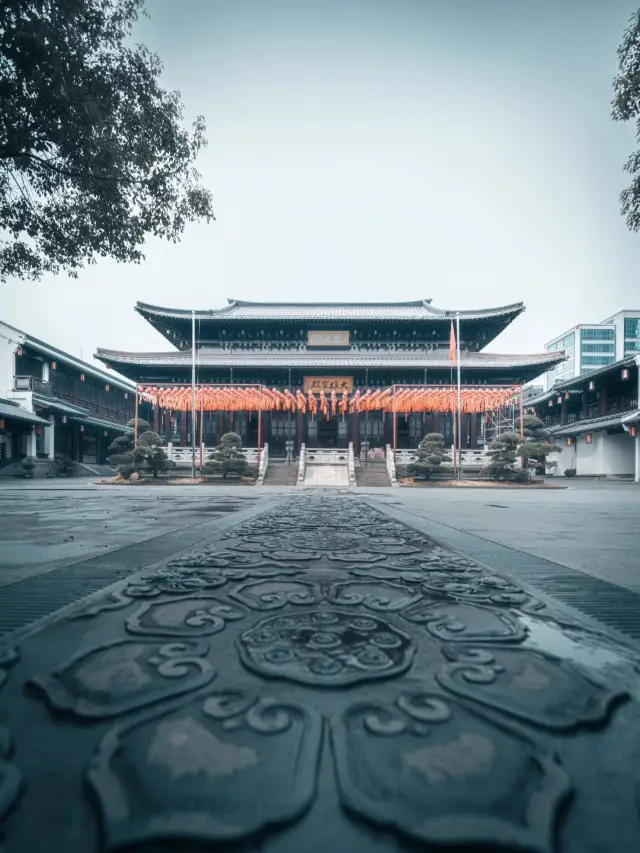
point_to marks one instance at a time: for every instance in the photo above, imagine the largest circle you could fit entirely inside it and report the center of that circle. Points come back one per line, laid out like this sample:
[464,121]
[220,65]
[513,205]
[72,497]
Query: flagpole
[193,394]
[459,396]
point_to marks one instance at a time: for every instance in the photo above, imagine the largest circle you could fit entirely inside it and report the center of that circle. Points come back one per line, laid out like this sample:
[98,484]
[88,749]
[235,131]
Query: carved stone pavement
[319,678]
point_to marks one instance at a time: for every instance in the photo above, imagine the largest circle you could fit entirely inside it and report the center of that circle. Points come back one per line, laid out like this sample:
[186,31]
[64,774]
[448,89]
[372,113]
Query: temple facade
[320,348]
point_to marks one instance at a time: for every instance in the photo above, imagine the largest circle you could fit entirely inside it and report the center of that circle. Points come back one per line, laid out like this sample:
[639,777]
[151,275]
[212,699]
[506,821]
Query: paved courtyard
[264,669]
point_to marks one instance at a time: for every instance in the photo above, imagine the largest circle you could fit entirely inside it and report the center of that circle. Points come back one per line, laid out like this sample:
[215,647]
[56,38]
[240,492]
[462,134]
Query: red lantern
[592,385]
[106,387]
[569,441]
[54,365]
[625,373]
[589,438]
[82,377]
[633,432]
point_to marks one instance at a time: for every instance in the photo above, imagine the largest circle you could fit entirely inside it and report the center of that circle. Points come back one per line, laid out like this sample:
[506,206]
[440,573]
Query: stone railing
[263,465]
[322,456]
[352,465]
[301,465]
[470,458]
[391,466]
[182,456]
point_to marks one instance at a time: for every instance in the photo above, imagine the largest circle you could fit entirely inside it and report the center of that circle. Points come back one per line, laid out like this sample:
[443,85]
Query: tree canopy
[94,157]
[227,458]
[430,457]
[626,107]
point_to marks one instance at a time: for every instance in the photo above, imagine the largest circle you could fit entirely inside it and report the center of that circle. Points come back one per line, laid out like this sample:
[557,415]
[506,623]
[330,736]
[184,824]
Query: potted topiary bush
[227,459]
[28,467]
[570,472]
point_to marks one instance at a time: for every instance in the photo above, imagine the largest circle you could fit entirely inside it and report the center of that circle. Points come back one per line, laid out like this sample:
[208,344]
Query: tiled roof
[10,411]
[614,419]
[576,382]
[76,413]
[327,359]
[240,310]
[63,357]
[101,422]
[46,402]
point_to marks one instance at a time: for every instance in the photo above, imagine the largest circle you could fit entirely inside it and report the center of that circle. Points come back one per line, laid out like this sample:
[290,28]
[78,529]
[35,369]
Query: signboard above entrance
[339,384]
[328,339]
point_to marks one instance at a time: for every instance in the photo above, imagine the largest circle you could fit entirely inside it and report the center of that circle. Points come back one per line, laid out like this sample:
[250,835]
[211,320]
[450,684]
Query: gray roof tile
[241,310]
[326,359]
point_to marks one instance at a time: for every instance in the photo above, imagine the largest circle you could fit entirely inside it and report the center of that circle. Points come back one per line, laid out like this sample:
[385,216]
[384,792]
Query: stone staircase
[281,474]
[372,476]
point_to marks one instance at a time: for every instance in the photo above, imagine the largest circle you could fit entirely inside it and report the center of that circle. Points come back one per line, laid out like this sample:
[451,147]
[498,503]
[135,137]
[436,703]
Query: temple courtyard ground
[284,669]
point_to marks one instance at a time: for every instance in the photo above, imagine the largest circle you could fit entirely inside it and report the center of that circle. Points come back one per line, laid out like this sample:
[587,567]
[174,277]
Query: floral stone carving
[118,677]
[326,648]
[530,685]
[374,595]
[466,622]
[197,772]
[273,594]
[193,616]
[443,774]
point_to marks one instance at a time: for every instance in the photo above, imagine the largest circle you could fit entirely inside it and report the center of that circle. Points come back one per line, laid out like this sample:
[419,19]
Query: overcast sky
[458,150]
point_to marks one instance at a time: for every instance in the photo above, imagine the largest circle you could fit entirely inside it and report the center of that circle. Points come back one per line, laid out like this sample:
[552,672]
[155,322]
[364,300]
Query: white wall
[618,455]
[8,342]
[566,458]
[606,456]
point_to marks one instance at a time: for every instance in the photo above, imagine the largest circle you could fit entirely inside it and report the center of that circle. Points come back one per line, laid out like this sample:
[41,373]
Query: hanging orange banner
[330,399]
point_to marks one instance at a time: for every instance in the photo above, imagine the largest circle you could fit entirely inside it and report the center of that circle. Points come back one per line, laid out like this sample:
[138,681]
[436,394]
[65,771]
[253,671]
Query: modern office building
[589,346]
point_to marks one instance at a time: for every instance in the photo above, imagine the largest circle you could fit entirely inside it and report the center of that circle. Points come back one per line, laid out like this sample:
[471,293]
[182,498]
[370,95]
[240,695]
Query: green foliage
[502,451]
[227,458]
[570,472]
[150,455]
[626,107]
[535,449]
[93,155]
[123,457]
[28,465]
[63,465]
[431,455]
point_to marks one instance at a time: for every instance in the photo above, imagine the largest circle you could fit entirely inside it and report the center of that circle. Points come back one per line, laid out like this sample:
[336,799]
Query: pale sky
[458,150]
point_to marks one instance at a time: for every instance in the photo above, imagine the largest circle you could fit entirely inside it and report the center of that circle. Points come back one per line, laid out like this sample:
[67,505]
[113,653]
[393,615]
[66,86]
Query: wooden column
[585,402]
[564,411]
[603,401]
[135,426]
[474,432]
[355,434]
[183,429]
[436,422]
[299,424]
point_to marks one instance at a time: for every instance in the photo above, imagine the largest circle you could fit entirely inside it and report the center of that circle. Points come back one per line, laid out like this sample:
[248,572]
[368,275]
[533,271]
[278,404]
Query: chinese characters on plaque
[328,339]
[339,384]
